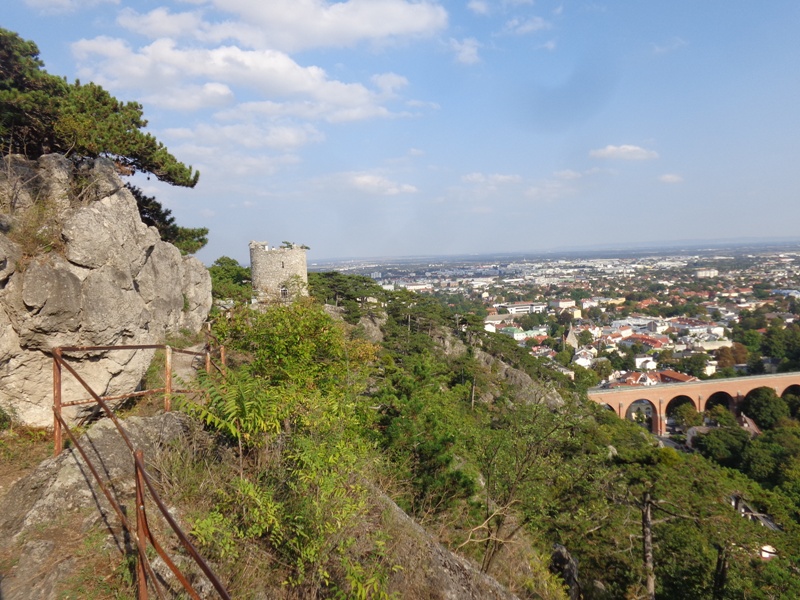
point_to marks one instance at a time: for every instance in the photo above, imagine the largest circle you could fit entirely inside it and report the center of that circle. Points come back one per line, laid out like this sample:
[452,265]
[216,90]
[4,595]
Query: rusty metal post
[167,378]
[222,357]
[58,442]
[141,532]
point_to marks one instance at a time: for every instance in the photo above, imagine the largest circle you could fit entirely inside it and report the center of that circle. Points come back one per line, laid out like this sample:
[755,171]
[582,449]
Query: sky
[378,128]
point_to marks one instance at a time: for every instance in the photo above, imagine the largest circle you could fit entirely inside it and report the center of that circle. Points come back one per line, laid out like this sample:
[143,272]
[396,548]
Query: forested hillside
[496,457]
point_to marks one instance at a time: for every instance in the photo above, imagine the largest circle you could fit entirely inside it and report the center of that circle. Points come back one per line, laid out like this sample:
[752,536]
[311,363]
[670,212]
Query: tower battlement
[278,273]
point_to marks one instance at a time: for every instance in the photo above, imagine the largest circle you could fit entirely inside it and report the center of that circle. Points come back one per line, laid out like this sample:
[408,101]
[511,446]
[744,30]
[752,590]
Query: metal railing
[142,534]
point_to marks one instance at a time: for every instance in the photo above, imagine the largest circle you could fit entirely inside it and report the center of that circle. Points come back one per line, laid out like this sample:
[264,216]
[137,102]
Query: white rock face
[112,282]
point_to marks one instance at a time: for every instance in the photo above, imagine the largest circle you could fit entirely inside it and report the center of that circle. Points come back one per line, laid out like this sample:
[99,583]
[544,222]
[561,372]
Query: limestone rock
[115,282]
[196,293]
[8,260]
[430,570]
[36,511]
[527,390]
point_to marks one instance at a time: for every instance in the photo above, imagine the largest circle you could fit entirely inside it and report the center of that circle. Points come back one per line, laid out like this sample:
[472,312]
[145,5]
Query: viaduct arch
[702,394]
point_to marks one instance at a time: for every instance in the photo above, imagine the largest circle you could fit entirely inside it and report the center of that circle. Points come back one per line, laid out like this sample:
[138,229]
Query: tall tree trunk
[472,394]
[720,573]
[647,545]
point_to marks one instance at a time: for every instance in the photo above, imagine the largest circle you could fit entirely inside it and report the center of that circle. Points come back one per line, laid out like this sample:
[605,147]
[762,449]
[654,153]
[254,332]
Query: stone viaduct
[702,394]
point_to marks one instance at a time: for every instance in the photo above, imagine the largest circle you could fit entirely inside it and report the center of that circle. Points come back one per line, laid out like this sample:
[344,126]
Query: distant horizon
[686,246]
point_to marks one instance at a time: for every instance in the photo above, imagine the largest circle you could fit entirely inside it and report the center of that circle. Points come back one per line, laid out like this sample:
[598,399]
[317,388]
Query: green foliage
[772,458]
[152,213]
[720,415]
[5,419]
[215,532]
[38,230]
[29,97]
[298,345]
[42,113]
[418,427]
[686,416]
[190,239]
[765,407]
[723,445]
[230,280]
[520,456]
[694,365]
[291,410]
[239,406]
[348,291]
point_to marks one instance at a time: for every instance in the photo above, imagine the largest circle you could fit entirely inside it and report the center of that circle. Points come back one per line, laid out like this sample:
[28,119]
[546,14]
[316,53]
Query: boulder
[107,280]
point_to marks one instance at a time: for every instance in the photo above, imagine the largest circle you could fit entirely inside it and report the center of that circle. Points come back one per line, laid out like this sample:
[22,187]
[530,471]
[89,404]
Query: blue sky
[396,127]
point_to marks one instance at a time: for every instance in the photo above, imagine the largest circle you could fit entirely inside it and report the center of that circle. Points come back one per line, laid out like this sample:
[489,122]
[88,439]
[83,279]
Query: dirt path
[184,367]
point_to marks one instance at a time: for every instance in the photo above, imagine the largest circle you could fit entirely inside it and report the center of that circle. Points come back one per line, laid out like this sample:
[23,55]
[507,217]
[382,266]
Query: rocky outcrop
[101,277]
[428,569]
[44,513]
[526,389]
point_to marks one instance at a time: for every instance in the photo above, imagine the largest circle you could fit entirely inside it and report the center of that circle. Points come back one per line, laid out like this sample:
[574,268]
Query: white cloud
[389,83]
[193,97]
[162,63]
[247,135]
[160,22]
[307,110]
[549,191]
[302,24]
[422,104]
[162,71]
[466,50]
[570,175]
[492,179]
[549,45]
[479,7]
[523,26]
[624,152]
[671,46]
[219,164]
[670,178]
[64,6]
[377,184]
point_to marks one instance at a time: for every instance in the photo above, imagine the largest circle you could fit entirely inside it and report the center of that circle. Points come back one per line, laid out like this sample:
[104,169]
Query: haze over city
[394,128]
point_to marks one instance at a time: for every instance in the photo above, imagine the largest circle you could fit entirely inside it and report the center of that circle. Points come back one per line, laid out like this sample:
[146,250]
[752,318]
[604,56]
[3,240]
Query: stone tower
[278,274]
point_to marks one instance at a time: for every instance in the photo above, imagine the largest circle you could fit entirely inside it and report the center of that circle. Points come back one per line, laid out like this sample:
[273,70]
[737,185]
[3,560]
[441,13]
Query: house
[561,304]
[645,362]
[563,370]
[647,341]
[514,332]
[584,357]
[523,308]
[670,376]
[632,378]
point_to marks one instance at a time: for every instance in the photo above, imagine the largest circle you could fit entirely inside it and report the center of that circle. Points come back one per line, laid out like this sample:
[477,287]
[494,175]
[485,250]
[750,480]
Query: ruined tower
[278,273]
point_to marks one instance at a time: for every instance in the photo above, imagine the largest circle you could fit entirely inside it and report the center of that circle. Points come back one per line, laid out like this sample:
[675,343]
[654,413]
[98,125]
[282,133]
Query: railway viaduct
[702,394]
